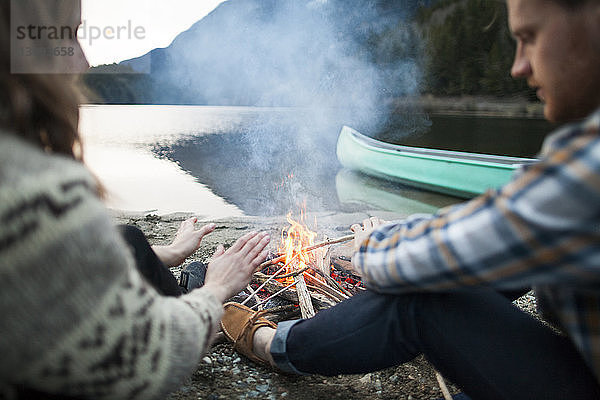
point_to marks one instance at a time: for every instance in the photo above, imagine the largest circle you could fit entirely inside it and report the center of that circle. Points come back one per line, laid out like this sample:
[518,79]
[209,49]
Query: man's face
[558,52]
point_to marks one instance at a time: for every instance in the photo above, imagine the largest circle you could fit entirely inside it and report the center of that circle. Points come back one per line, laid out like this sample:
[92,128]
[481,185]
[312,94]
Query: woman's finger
[256,263]
[253,242]
[237,246]
[220,250]
[258,248]
[355,227]
[205,230]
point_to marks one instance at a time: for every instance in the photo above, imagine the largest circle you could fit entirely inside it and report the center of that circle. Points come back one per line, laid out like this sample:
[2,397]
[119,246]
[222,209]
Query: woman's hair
[41,108]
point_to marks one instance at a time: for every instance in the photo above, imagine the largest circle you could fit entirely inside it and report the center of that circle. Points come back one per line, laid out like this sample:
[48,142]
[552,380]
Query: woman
[78,320]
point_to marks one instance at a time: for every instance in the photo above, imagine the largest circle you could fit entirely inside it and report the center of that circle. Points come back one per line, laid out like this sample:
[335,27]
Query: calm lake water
[233,161]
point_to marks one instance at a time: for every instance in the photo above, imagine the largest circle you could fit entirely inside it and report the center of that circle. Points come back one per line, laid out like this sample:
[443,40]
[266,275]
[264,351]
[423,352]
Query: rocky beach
[223,374]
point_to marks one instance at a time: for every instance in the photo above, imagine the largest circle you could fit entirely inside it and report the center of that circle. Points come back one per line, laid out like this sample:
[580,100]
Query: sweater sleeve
[77,317]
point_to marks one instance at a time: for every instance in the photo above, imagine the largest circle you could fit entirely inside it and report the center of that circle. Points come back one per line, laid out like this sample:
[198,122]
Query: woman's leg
[476,338]
[149,265]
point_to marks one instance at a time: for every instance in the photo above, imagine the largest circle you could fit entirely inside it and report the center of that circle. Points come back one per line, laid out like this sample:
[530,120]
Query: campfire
[302,273]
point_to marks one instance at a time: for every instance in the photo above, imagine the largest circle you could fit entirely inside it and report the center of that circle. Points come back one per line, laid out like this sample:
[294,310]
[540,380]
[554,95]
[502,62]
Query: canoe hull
[456,173]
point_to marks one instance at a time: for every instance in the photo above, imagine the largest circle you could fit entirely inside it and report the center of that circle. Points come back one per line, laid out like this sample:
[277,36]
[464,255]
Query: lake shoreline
[475,106]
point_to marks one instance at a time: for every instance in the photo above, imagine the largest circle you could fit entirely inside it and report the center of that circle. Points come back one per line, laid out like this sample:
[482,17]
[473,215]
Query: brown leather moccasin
[239,323]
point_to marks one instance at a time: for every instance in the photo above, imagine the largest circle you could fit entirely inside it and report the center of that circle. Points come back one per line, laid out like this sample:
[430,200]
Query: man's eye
[527,38]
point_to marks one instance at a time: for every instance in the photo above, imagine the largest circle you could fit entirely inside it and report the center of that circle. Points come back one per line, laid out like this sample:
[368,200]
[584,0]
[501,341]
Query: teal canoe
[456,173]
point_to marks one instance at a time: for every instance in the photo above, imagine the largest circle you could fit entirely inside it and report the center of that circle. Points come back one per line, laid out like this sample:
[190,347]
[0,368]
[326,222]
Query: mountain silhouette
[280,53]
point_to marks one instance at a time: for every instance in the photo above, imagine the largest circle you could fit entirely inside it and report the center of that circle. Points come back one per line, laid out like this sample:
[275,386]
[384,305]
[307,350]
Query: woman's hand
[230,271]
[362,232]
[187,241]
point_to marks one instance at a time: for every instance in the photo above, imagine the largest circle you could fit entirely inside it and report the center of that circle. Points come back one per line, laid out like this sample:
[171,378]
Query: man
[435,283]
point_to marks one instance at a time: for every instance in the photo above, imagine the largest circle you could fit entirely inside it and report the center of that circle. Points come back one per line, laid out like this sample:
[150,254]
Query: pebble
[378,386]
[185,389]
[207,360]
[284,394]
[365,379]
[262,388]
[237,360]
[235,371]
[250,380]
[252,393]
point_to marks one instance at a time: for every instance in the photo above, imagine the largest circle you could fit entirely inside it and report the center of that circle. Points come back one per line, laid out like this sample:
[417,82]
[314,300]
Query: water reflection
[356,188]
[229,161]
[261,182]
[517,137]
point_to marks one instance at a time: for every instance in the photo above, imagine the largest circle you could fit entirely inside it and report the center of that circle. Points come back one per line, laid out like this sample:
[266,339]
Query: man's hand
[187,241]
[362,232]
[231,270]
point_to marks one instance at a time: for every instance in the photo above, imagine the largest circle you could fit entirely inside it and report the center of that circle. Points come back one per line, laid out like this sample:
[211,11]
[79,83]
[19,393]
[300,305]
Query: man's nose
[521,67]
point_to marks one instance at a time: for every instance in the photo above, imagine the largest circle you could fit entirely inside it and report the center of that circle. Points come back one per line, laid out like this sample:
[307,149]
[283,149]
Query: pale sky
[117,30]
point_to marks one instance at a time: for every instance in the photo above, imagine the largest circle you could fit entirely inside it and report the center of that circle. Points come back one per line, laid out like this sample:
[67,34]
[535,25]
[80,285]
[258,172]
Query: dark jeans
[155,272]
[478,339]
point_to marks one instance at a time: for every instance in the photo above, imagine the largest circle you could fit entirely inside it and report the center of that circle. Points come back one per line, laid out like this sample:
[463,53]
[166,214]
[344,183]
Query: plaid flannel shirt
[541,230]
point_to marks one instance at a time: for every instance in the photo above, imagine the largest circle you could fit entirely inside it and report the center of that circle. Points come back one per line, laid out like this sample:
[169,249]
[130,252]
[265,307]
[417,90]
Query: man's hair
[572,4]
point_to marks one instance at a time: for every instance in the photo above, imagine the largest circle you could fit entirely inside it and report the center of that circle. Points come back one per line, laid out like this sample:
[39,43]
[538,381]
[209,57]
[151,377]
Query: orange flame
[293,240]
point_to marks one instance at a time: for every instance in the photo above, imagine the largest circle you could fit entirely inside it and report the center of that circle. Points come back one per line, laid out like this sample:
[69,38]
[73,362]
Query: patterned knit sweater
[76,318]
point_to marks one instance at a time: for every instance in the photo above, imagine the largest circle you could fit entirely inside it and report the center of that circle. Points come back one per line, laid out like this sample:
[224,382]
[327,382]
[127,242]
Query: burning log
[325,289]
[319,301]
[306,307]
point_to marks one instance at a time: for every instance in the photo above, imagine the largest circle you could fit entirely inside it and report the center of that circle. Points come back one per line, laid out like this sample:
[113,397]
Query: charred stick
[280,309]
[309,248]
[270,279]
[294,274]
[333,282]
[330,242]
[252,294]
[263,285]
[274,295]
